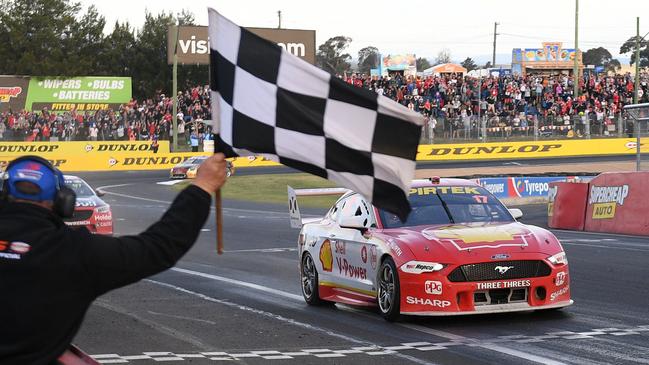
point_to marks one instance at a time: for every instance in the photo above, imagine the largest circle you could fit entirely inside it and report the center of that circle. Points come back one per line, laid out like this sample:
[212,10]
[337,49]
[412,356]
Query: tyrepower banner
[13,93]
[618,203]
[45,149]
[86,93]
[530,149]
[521,187]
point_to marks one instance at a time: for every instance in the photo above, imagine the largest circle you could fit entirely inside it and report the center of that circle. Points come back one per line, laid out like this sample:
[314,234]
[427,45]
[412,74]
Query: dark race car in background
[90,210]
[187,169]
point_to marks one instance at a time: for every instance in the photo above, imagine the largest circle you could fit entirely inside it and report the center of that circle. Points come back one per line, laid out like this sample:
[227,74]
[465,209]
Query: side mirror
[100,192]
[516,213]
[356,222]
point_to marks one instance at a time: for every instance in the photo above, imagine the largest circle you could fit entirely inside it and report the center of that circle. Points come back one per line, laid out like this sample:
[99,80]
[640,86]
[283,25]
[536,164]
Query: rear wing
[294,210]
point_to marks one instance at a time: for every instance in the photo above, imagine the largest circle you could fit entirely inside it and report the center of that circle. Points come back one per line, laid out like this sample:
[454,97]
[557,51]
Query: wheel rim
[308,276]
[386,288]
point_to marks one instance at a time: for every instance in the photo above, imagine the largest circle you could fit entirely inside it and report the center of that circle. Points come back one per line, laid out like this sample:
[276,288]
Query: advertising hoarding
[193,43]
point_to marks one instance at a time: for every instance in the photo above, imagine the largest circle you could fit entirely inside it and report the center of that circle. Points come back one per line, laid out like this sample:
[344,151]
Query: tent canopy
[445,68]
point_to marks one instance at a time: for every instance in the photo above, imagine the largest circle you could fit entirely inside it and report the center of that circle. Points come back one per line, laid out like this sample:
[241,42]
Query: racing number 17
[480,198]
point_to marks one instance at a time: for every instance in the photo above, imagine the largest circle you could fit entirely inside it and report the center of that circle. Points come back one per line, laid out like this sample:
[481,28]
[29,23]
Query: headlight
[559,259]
[418,267]
[104,209]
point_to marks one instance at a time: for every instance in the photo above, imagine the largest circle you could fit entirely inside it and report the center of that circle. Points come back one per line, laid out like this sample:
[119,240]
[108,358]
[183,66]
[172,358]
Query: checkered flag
[270,102]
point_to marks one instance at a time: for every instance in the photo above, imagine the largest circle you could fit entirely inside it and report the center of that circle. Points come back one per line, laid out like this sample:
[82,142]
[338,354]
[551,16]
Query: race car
[90,210]
[460,251]
[187,169]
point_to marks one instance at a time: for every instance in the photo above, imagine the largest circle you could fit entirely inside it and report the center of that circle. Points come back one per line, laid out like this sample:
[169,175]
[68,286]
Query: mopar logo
[503,269]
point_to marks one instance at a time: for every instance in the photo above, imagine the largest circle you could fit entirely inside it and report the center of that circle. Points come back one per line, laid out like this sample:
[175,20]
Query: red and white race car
[90,210]
[461,251]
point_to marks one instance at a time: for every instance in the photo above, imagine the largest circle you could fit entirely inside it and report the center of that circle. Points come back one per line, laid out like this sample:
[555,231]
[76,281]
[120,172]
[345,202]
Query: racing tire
[388,296]
[309,281]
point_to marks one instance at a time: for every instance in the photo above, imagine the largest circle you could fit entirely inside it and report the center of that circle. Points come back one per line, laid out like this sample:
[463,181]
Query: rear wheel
[389,293]
[309,279]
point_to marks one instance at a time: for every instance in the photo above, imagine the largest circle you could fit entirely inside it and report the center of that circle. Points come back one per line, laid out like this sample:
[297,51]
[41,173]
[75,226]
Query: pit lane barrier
[612,202]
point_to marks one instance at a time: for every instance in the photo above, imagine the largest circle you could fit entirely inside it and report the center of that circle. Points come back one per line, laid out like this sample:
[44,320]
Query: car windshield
[447,205]
[80,187]
[195,160]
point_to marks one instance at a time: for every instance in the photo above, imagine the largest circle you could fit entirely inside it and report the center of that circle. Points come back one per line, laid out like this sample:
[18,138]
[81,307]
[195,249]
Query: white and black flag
[267,101]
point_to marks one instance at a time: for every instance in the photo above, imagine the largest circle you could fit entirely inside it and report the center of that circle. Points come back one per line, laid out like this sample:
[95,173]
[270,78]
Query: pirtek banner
[193,46]
[530,149]
[46,149]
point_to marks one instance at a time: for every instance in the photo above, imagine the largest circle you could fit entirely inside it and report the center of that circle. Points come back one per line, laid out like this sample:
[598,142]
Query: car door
[352,251]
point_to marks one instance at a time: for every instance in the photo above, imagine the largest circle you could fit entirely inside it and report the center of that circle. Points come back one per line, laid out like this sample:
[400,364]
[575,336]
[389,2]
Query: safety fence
[497,128]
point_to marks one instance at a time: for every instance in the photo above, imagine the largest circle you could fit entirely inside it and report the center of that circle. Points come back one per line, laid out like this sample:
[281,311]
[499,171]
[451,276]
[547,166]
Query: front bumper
[434,295]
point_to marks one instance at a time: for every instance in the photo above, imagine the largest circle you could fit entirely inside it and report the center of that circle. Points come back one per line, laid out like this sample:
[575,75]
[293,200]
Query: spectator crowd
[455,105]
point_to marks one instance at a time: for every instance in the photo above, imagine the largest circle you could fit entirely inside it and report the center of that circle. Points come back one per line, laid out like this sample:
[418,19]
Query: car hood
[89,202]
[461,242]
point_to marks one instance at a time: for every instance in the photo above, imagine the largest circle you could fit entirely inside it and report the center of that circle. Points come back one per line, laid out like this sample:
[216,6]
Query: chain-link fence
[492,128]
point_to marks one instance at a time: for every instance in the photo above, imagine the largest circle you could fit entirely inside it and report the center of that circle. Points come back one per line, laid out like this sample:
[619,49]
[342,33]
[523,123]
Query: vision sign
[193,43]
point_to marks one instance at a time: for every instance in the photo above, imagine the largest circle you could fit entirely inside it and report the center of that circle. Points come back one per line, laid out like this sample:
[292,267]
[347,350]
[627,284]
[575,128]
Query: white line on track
[489,346]
[443,334]
[286,320]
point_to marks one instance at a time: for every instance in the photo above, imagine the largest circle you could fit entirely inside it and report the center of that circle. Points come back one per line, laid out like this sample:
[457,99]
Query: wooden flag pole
[218,204]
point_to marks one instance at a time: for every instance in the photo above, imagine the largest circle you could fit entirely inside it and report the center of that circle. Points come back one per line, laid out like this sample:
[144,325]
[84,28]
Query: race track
[246,305]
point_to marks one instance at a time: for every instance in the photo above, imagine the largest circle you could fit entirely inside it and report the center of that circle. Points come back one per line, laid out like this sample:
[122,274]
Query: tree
[330,56]
[150,66]
[629,46]
[488,65]
[119,56]
[444,56]
[88,44]
[469,64]
[600,56]
[368,58]
[36,37]
[422,63]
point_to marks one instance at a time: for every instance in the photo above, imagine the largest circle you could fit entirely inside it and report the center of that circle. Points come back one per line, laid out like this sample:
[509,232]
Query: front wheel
[309,279]
[389,293]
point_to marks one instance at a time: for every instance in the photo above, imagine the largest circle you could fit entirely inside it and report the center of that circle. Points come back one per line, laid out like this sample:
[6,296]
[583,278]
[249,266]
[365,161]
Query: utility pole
[174,92]
[637,61]
[279,19]
[575,71]
[493,57]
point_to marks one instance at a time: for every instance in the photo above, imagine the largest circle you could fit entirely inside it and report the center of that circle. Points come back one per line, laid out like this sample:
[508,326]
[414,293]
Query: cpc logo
[433,287]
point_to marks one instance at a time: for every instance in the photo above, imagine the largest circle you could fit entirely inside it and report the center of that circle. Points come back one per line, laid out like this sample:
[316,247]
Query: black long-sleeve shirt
[51,273]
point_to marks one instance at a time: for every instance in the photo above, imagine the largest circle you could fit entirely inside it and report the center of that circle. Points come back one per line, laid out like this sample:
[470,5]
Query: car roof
[420,183]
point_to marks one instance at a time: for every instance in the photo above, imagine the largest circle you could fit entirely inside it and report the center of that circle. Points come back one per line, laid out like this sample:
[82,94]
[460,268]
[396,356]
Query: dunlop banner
[529,149]
[125,161]
[44,149]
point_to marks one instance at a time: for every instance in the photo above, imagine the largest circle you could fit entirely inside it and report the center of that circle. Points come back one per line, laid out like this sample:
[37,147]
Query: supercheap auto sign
[520,187]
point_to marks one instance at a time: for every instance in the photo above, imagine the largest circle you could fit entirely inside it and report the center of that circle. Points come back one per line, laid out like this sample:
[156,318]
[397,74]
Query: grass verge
[271,188]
